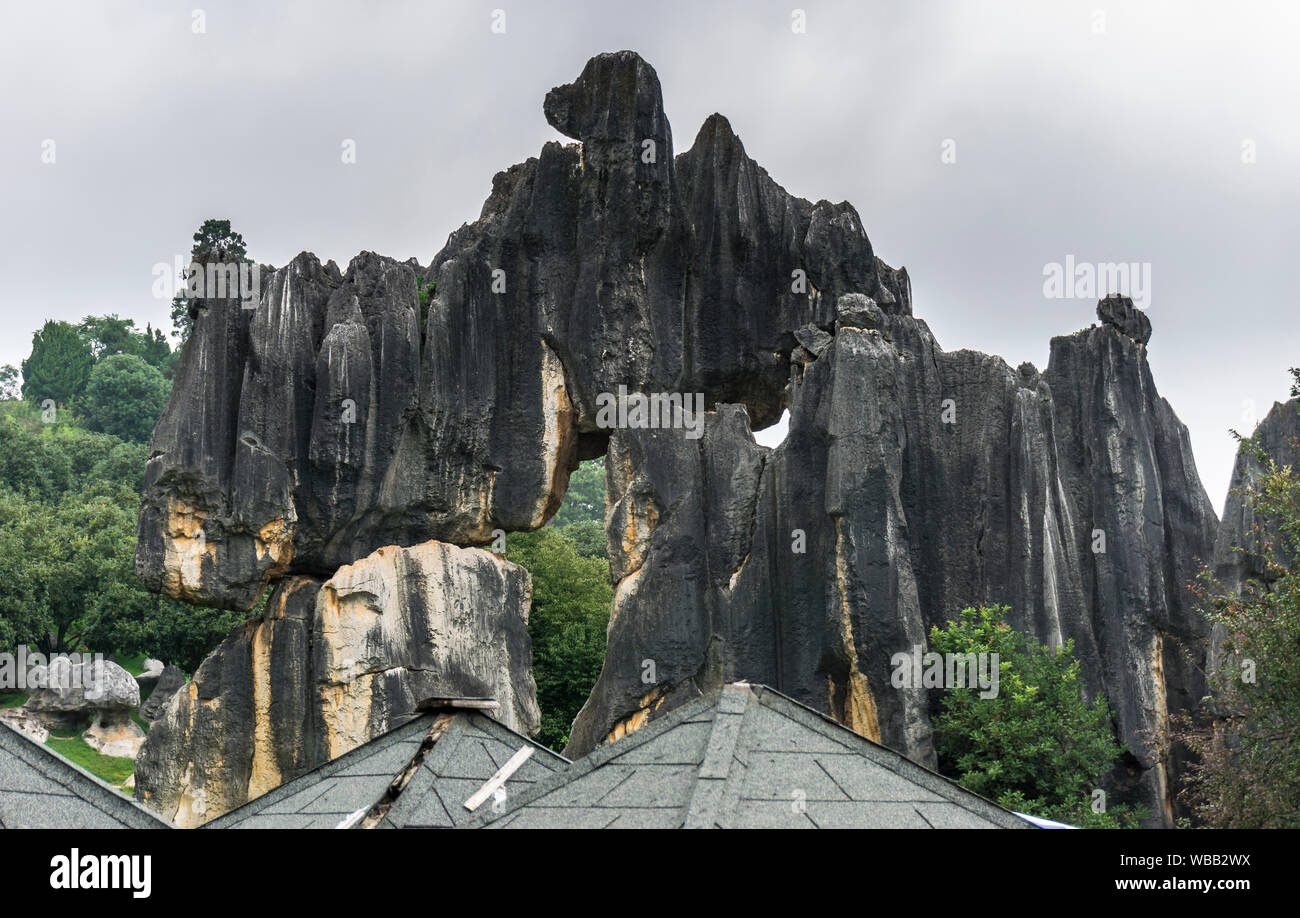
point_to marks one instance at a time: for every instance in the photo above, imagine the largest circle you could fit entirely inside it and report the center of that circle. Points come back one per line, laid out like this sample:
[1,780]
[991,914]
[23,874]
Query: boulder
[855,310]
[73,692]
[113,732]
[25,722]
[1120,314]
[333,664]
[153,670]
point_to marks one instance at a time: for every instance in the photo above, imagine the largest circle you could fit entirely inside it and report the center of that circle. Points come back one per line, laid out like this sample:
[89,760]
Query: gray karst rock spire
[339,417]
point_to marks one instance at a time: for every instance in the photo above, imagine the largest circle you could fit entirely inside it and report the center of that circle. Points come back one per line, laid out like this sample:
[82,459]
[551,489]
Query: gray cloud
[1123,145]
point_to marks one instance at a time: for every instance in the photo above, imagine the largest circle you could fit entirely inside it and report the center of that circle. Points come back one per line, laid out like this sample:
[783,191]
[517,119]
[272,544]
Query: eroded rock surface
[339,415]
[913,482]
[333,664]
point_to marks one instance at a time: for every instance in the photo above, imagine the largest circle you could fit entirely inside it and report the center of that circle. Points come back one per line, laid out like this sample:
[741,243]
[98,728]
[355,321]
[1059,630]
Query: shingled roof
[417,776]
[40,789]
[747,757]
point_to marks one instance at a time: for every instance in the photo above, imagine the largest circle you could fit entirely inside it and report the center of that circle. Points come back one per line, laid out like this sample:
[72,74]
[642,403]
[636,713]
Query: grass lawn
[69,744]
[12,699]
[132,664]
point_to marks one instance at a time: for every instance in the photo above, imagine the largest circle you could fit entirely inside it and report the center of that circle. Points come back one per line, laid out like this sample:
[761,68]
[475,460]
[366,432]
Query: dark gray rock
[912,483]
[813,339]
[169,682]
[1239,553]
[855,310]
[74,692]
[1119,313]
[330,420]
[338,417]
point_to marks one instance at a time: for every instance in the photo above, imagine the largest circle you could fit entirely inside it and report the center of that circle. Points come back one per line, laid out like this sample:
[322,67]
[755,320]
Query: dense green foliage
[125,397]
[69,497]
[59,365]
[1037,747]
[1247,735]
[585,499]
[571,599]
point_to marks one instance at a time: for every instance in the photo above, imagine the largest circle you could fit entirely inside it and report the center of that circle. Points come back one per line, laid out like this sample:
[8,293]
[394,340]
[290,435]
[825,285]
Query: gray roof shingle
[747,757]
[40,789]
[417,776]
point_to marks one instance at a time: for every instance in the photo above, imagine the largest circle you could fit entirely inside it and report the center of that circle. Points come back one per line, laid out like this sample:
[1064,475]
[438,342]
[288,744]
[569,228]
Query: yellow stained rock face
[264,774]
[1162,718]
[559,442]
[275,541]
[185,548]
[346,709]
[652,701]
[859,710]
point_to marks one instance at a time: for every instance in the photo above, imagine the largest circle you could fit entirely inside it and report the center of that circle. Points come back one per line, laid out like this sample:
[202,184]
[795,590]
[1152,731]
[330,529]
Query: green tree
[109,335]
[10,383]
[1037,746]
[567,623]
[69,500]
[587,536]
[213,236]
[585,498]
[125,397]
[1246,736]
[59,365]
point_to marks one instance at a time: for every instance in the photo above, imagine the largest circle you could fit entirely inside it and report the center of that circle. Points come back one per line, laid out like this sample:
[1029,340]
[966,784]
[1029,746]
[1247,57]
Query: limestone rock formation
[1277,435]
[333,418]
[169,680]
[333,664]
[321,415]
[913,482]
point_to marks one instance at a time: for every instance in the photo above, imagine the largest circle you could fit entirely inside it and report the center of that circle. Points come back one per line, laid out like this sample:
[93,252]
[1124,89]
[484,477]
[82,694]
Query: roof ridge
[24,747]
[597,757]
[719,753]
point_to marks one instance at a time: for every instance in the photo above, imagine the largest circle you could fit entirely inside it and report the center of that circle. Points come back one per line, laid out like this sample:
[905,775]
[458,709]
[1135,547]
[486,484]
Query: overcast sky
[1098,130]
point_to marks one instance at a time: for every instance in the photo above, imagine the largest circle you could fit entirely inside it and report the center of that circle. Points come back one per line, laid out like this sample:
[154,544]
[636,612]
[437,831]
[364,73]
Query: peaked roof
[39,789]
[417,776]
[747,757]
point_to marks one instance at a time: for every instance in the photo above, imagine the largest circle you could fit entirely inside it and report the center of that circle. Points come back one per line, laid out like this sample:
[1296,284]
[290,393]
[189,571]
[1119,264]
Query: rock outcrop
[1278,436]
[169,680]
[331,665]
[350,415]
[337,416]
[913,482]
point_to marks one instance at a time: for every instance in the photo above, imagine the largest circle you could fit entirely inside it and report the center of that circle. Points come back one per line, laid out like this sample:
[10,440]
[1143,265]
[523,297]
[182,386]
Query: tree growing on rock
[213,236]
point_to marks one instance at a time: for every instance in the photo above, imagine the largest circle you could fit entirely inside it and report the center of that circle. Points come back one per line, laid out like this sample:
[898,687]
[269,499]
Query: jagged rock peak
[616,98]
[1120,314]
